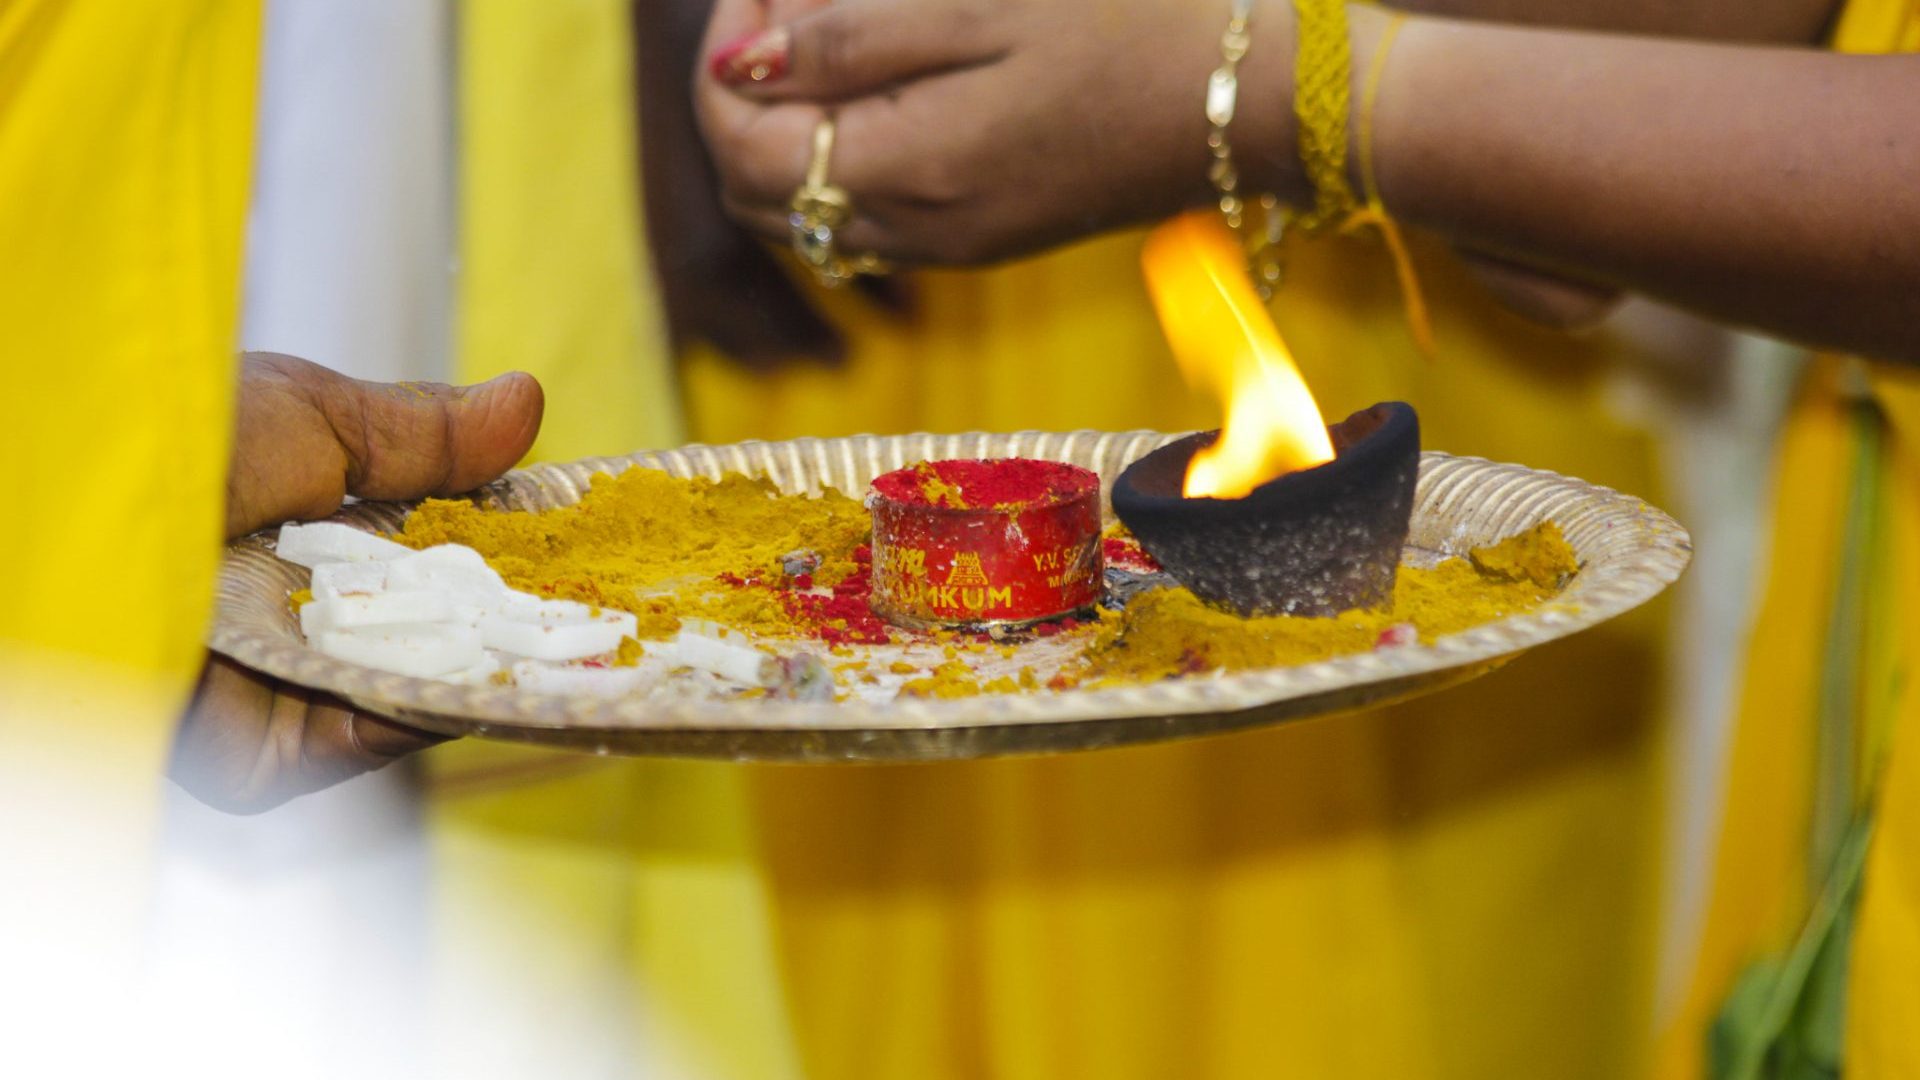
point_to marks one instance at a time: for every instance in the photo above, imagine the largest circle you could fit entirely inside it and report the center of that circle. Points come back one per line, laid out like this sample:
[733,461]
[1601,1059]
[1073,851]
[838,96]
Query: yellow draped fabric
[1764,889]
[118,302]
[589,916]
[125,135]
[553,274]
[1456,887]
[1883,996]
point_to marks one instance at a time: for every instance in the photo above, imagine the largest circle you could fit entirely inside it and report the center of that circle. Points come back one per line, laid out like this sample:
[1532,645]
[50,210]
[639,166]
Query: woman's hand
[971,131]
[306,438]
[1778,198]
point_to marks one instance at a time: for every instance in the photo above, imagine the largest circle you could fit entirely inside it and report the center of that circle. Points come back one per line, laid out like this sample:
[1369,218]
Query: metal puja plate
[1628,552]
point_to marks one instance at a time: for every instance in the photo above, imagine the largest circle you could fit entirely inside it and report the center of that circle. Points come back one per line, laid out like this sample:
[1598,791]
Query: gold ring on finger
[817,211]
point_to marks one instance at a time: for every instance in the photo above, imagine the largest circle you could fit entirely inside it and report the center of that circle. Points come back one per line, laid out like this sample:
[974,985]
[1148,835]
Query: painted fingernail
[756,57]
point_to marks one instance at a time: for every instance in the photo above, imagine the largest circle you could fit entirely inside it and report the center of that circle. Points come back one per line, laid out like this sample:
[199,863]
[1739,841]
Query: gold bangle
[1223,90]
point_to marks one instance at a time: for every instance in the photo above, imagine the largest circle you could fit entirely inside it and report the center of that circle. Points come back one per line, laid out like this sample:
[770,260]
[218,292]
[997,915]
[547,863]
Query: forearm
[1776,188]
[1773,187]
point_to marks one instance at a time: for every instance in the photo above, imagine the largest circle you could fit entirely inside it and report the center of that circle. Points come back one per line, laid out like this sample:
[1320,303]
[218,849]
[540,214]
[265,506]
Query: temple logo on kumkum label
[966,570]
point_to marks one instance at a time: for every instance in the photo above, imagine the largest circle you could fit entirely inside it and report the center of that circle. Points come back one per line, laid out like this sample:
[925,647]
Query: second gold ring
[818,210]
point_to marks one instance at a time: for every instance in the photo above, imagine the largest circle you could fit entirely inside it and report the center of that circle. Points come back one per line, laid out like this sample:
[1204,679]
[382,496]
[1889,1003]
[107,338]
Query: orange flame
[1226,342]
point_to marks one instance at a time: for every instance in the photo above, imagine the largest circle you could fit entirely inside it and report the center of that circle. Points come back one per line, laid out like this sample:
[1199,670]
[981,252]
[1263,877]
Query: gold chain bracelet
[1322,98]
[1223,90]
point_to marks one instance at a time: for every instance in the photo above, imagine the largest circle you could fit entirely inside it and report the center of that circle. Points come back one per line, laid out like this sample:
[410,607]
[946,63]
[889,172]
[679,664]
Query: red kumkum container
[967,545]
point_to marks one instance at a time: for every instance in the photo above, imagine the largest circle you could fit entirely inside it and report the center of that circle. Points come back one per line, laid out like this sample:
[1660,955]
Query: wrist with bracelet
[1322,101]
[1223,91]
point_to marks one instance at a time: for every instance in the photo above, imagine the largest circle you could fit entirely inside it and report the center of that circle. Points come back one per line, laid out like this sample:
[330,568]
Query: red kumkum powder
[1126,553]
[845,617]
[1001,484]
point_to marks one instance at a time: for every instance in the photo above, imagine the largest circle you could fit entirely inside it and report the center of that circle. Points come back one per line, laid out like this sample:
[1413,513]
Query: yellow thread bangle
[1375,212]
[1323,70]
[1370,93]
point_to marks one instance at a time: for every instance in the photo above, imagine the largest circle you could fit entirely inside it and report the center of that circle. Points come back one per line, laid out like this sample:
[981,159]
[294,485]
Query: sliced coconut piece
[383,609]
[733,660]
[329,541]
[526,607]
[601,682]
[521,607]
[445,566]
[487,668]
[313,620]
[334,580]
[539,642]
[554,629]
[424,651]
[469,608]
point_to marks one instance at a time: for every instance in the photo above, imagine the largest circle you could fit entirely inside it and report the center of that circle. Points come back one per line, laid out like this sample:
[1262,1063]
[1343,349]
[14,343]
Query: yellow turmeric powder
[936,489]
[657,546]
[953,679]
[629,653]
[1541,556]
[1170,632]
[669,549]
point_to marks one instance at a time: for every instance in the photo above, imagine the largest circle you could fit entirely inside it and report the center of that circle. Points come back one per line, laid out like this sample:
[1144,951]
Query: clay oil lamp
[1274,513]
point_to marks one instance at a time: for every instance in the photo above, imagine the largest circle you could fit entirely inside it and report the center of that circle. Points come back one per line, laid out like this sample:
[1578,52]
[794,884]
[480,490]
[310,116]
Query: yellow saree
[1812,936]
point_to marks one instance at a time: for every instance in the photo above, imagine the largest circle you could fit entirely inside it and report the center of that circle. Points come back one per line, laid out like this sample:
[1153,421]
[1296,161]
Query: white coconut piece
[600,682]
[487,668]
[329,541]
[538,641]
[383,609]
[625,621]
[526,607]
[421,650]
[731,660]
[454,567]
[469,609]
[554,629]
[313,620]
[334,580]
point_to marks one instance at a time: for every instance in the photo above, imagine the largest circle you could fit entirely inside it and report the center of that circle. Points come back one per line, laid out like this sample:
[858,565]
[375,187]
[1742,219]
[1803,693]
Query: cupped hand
[304,439]
[971,131]
[250,742]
